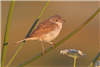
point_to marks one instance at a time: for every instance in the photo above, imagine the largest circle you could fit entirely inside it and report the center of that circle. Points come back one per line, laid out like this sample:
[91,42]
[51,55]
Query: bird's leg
[52,44]
[43,48]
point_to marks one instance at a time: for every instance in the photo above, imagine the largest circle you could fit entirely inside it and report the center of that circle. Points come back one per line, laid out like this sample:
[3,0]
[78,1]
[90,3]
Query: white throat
[59,25]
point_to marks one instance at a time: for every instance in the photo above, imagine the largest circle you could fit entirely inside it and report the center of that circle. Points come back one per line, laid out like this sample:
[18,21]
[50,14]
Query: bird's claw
[43,51]
[53,46]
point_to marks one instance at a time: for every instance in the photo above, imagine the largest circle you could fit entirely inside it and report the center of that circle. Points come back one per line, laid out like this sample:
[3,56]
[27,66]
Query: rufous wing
[43,28]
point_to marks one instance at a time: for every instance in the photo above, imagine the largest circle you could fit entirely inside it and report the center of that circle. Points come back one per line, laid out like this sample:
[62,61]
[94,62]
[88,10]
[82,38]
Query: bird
[46,31]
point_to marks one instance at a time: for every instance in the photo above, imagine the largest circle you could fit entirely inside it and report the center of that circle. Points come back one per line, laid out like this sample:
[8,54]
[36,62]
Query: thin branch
[5,44]
[27,34]
[61,41]
[94,60]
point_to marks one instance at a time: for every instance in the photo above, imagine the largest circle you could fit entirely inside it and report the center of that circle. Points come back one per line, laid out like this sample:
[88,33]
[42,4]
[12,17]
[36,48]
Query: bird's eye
[56,20]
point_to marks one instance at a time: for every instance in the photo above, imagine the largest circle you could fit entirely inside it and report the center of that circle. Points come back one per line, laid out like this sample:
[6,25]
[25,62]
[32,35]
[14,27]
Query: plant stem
[61,41]
[94,60]
[37,19]
[27,34]
[5,44]
[75,61]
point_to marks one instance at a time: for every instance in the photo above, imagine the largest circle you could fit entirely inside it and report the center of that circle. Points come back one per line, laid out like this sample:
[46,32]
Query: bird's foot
[43,51]
[53,46]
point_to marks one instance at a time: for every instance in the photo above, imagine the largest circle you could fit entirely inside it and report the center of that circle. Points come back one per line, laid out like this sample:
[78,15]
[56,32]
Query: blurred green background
[74,12]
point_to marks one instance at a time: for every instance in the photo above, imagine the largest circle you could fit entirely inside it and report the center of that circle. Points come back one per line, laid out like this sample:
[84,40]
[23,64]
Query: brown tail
[21,40]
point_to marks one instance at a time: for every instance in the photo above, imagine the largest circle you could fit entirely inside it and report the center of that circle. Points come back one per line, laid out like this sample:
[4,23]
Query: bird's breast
[52,34]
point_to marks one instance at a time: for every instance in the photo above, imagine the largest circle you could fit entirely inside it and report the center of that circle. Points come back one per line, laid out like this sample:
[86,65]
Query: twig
[5,44]
[27,34]
[94,60]
[61,41]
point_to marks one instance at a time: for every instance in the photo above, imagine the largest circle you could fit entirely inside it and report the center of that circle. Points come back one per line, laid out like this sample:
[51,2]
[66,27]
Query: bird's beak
[63,21]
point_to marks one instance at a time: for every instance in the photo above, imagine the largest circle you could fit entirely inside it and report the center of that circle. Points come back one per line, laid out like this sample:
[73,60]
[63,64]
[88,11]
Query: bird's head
[56,18]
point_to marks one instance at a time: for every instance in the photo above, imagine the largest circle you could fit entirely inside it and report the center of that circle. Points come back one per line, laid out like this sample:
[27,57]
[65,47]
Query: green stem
[61,41]
[94,60]
[27,34]
[37,19]
[75,61]
[4,49]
